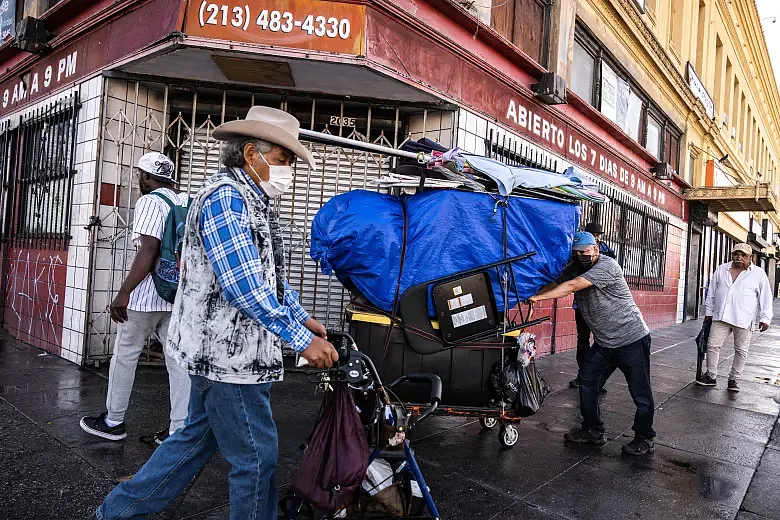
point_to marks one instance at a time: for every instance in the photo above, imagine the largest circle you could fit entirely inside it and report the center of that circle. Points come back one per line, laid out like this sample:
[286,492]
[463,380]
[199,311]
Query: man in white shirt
[738,289]
[139,311]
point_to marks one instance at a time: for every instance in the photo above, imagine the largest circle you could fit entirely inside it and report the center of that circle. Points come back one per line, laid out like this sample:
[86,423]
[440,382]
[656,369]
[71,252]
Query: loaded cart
[439,266]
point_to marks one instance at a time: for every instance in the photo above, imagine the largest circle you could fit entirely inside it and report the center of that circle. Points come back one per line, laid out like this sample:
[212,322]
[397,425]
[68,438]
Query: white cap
[158,166]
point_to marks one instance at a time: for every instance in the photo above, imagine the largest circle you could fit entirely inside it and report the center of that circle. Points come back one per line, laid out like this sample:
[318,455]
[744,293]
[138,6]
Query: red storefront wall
[34,296]
[659,308]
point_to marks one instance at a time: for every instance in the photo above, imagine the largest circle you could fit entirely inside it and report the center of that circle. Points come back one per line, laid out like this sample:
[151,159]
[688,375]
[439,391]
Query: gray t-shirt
[608,307]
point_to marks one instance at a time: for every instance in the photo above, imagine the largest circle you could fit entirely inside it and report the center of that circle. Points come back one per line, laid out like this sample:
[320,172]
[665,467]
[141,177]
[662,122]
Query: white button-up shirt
[738,302]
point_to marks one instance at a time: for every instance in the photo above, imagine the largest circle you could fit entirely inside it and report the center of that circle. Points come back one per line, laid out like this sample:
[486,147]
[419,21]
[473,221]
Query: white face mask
[279,181]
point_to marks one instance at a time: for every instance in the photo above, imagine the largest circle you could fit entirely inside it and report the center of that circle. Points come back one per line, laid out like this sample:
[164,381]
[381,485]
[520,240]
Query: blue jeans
[634,361]
[237,420]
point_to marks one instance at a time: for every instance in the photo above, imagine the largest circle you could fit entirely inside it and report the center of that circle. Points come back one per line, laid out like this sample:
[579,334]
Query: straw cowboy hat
[268,124]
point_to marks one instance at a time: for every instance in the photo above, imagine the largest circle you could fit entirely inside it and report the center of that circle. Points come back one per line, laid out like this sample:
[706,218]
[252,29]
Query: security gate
[179,122]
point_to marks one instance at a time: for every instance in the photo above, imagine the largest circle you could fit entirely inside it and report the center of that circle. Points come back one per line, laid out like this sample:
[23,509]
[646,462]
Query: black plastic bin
[464,370]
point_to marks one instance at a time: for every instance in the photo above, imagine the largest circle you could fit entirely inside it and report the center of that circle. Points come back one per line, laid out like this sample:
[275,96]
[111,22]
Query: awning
[760,197]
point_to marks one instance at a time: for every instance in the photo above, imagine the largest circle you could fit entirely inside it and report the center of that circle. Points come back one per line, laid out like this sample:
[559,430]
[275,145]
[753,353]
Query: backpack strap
[163,197]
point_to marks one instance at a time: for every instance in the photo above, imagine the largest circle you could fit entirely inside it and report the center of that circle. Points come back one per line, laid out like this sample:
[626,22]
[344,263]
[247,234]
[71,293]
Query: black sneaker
[97,426]
[639,446]
[583,436]
[156,438]
[603,390]
[706,380]
[733,386]
[574,383]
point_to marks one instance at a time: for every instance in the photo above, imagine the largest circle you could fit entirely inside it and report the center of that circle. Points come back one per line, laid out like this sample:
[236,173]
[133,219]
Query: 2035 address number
[275,21]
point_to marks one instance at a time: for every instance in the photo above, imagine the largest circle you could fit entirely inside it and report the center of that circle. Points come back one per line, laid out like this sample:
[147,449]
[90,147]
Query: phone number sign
[314,24]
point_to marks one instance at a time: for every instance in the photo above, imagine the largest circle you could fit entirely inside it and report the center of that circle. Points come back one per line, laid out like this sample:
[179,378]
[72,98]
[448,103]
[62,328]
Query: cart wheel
[488,423]
[508,436]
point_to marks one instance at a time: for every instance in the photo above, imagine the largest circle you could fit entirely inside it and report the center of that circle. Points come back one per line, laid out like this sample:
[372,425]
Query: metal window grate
[511,151]
[636,232]
[44,185]
[8,158]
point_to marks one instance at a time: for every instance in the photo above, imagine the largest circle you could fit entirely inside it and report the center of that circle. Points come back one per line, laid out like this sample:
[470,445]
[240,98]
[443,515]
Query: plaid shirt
[227,238]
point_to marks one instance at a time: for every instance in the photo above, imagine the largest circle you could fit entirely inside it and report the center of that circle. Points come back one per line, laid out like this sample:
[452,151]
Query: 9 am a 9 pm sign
[310,24]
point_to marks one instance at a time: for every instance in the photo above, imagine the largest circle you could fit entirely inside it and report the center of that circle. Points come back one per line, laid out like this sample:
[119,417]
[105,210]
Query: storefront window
[583,73]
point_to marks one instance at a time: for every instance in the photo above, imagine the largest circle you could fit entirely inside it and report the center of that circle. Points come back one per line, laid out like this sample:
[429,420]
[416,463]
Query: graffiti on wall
[35,296]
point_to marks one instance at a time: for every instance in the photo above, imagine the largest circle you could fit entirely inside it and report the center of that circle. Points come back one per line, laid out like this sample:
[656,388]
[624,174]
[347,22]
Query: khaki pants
[130,338]
[718,334]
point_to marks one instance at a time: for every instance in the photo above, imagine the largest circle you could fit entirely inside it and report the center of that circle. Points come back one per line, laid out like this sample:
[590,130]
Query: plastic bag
[532,390]
[527,348]
[520,387]
[505,381]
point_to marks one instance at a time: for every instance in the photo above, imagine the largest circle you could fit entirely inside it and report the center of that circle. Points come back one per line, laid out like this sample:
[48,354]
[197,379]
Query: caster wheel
[488,423]
[508,436]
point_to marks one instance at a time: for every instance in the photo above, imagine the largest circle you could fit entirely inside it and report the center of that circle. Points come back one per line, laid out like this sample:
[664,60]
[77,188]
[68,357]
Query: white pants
[718,334]
[130,338]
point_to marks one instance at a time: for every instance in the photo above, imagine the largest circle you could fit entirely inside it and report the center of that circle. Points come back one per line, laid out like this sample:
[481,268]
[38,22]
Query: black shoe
[733,386]
[603,390]
[583,436]
[97,426]
[639,446]
[156,438]
[706,380]
[574,383]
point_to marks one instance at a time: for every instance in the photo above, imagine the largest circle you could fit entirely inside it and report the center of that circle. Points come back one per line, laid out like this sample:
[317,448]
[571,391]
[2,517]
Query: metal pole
[334,140]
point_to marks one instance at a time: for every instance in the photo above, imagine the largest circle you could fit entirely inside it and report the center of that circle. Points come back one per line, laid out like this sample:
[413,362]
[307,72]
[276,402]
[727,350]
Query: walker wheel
[488,423]
[508,436]
[303,511]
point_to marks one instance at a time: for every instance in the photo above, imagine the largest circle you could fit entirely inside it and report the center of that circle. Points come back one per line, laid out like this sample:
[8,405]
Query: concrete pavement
[717,453]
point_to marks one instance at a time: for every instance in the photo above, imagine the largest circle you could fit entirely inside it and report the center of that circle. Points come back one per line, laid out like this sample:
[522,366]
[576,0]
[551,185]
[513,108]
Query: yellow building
[709,106]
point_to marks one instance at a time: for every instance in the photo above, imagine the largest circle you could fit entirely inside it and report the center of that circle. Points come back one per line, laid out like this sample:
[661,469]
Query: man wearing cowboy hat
[233,309]
[139,311]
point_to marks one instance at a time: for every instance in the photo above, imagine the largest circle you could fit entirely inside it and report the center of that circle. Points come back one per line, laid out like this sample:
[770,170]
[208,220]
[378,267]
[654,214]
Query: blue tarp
[359,236]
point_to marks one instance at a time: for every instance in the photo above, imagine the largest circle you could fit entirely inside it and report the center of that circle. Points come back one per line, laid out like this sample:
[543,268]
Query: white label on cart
[457,303]
[470,316]
[457,291]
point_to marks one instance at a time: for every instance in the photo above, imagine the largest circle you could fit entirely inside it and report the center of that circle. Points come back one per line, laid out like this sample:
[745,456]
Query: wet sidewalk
[717,453]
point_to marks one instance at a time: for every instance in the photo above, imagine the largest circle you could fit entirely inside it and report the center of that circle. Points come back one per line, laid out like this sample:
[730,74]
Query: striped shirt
[150,214]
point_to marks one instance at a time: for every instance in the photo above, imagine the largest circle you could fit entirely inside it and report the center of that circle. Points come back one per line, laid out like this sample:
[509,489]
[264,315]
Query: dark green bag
[166,270]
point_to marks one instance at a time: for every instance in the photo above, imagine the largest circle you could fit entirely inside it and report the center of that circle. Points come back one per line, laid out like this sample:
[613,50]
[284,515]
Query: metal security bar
[9,137]
[512,151]
[636,232]
[45,176]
